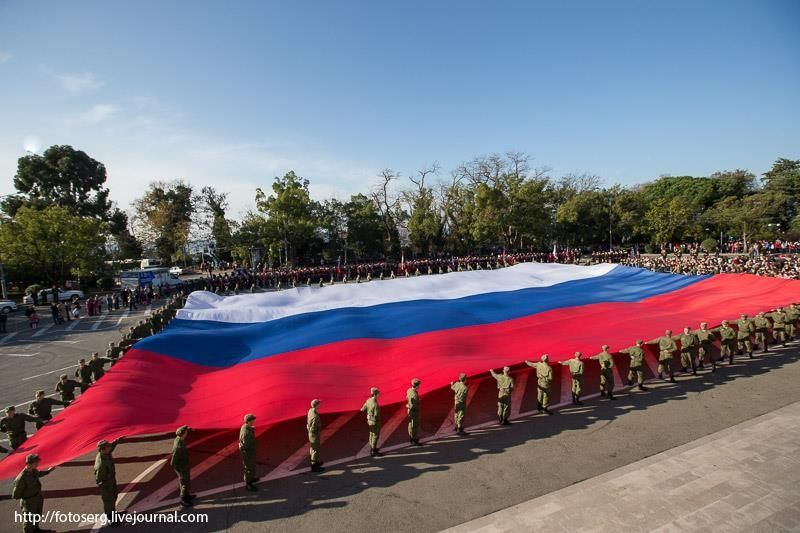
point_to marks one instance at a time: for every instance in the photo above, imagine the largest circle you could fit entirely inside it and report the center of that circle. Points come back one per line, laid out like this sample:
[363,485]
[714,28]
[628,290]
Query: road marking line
[518,393]
[73,324]
[48,373]
[232,486]
[157,496]
[298,456]
[128,488]
[8,337]
[42,331]
[566,384]
[449,423]
[22,354]
[123,317]
[387,429]
[97,323]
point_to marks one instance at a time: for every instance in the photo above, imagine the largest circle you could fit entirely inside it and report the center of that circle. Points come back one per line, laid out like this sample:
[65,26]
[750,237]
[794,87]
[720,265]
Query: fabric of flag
[271,353]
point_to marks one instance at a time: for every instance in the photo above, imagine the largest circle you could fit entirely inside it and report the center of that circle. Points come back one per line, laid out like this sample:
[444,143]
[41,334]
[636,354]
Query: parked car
[46,296]
[7,306]
[176,271]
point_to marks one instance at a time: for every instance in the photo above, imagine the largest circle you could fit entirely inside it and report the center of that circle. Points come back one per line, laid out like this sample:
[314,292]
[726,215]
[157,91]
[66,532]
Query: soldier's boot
[506,422]
[672,379]
[574,402]
[249,486]
[750,354]
[417,442]
[611,396]
[317,467]
[538,407]
[546,410]
[602,393]
[660,375]
[578,400]
[730,359]
[642,387]
[186,502]
[683,369]
[374,452]
[630,382]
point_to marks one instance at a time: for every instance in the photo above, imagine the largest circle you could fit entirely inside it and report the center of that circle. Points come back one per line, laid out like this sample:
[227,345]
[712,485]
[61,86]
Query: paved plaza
[745,478]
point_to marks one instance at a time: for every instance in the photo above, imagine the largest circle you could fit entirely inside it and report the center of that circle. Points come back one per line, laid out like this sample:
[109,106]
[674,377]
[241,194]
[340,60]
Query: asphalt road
[34,359]
[448,481]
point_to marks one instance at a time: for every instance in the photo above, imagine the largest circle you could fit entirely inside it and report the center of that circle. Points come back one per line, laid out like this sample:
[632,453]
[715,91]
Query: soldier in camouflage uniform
[779,325]
[576,372]
[544,381]
[705,338]
[505,384]
[180,463]
[42,408]
[97,363]
[105,475]
[761,326]
[412,405]
[606,374]
[688,343]
[636,368]
[666,352]
[28,490]
[247,447]
[460,393]
[314,427]
[373,412]
[792,315]
[727,346]
[67,387]
[84,374]
[13,425]
[745,330]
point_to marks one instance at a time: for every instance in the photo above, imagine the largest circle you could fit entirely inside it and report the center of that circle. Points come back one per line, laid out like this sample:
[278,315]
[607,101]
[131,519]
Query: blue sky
[231,94]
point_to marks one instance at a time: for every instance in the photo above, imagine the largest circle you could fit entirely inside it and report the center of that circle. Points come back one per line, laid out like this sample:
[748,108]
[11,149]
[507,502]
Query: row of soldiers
[13,424]
[695,350]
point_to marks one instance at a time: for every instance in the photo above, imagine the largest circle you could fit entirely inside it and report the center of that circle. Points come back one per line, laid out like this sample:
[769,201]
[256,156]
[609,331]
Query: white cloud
[5,57]
[77,82]
[99,113]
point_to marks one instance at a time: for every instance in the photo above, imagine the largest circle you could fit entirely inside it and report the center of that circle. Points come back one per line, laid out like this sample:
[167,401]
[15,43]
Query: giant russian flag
[271,353]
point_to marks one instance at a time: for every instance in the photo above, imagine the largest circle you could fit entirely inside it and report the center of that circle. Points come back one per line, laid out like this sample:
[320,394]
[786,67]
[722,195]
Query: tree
[759,215]
[291,215]
[164,218]
[211,206]
[425,225]
[127,245]
[51,244]
[668,218]
[389,209]
[61,176]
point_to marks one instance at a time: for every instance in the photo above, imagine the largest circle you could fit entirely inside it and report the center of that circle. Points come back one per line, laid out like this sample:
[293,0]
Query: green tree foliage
[291,216]
[164,218]
[51,244]
[61,176]
[127,247]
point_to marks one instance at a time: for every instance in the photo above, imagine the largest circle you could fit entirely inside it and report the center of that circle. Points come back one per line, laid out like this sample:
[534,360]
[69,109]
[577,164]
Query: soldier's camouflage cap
[38,392]
[64,376]
[462,376]
[249,416]
[31,458]
[11,408]
[181,430]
